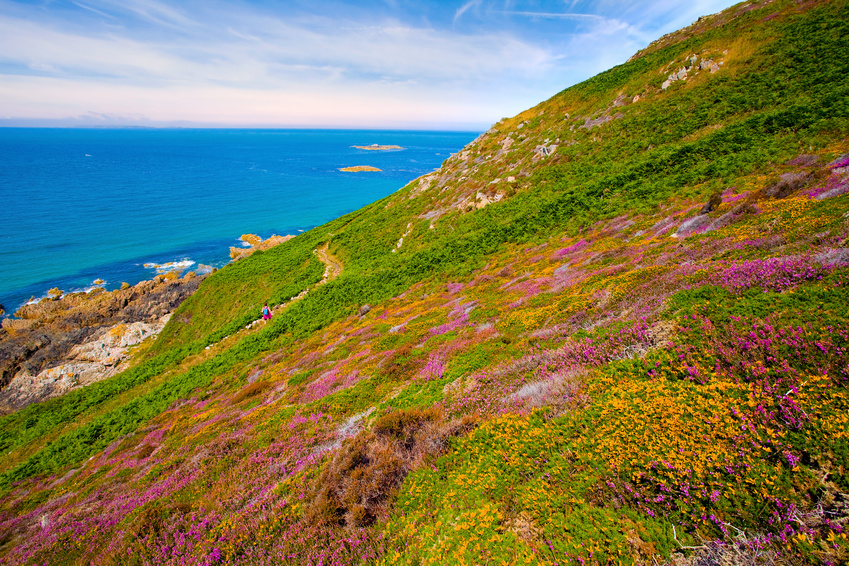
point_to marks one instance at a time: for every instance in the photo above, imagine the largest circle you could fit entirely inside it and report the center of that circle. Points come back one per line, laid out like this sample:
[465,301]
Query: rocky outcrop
[52,333]
[103,354]
[789,183]
[713,202]
[543,150]
[607,115]
[256,243]
[591,123]
[691,65]
[484,199]
[401,239]
[693,225]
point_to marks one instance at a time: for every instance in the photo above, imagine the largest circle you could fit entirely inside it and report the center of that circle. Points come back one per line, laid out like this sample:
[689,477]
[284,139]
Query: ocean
[82,205]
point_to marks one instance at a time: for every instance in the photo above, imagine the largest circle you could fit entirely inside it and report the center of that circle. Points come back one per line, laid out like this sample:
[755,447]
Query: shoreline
[202,259]
[88,335]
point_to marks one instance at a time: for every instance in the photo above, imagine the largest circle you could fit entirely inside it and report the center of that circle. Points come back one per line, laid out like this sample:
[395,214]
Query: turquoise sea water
[85,204]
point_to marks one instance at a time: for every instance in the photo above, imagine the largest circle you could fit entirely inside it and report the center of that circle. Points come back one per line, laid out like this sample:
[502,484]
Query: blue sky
[299,63]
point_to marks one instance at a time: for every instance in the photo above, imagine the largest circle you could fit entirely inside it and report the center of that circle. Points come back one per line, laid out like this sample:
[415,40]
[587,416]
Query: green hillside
[612,330]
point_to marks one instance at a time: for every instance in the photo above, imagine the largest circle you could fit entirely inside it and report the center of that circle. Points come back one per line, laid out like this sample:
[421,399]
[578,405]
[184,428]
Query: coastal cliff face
[614,329]
[76,339]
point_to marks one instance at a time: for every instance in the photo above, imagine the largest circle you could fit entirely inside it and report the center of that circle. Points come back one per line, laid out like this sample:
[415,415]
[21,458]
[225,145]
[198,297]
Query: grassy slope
[552,378]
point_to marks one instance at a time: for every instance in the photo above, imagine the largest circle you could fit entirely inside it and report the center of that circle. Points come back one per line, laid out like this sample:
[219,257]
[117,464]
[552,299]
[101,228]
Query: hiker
[266,312]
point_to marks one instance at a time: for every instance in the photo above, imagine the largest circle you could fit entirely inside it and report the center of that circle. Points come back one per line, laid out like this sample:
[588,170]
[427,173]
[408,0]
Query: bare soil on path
[333,267]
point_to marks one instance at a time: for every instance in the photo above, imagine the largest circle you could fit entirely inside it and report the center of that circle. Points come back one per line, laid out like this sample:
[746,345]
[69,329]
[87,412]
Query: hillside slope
[612,330]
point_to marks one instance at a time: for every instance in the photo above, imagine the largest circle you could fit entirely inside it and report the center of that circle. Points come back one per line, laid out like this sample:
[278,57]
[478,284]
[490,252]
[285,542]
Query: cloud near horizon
[451,65]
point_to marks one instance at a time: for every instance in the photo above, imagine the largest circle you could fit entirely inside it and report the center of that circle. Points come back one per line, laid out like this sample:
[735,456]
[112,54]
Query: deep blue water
[86,204]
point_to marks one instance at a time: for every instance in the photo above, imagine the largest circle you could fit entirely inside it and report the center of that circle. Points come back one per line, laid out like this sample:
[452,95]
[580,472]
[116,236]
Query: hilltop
[612,330]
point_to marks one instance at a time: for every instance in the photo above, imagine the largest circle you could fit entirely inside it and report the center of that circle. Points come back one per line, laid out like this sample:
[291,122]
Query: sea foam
[170,266]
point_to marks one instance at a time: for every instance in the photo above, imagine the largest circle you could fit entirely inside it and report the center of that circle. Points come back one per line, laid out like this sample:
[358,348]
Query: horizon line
[62,124]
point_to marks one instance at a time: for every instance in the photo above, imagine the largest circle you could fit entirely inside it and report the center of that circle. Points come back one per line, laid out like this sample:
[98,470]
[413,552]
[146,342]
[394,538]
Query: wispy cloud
[556,16]
[374,64]
[154,12]
[96,11]
[465,8]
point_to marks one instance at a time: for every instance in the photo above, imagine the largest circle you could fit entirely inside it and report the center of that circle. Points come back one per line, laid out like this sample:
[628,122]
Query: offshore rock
[377,147]
[359,169]
[256,243]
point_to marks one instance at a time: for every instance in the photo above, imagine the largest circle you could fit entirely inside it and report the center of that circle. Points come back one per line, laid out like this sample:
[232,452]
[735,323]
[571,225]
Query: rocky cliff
[75,339]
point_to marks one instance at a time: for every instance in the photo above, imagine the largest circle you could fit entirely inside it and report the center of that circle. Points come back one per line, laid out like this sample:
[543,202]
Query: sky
[384,64]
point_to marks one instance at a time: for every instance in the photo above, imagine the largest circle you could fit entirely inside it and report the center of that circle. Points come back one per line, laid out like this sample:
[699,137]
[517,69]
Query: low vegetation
[612,330]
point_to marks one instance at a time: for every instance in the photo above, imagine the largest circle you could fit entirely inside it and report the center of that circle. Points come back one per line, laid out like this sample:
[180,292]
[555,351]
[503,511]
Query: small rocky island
[377,147]
[358,168]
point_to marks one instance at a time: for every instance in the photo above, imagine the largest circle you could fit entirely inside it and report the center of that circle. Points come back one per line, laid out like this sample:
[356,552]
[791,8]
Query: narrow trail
[332,270]
[333,267]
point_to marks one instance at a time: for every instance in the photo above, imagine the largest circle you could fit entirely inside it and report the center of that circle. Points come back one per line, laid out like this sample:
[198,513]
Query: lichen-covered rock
[693,225]
[789,183]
